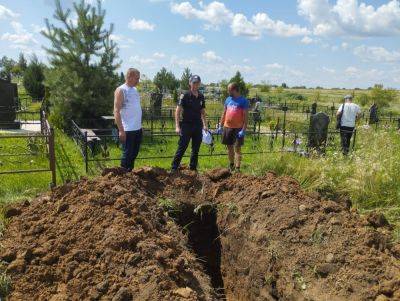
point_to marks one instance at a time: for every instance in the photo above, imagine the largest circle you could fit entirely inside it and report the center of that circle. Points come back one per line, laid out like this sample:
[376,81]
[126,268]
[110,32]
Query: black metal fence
[19,149]
[99,142]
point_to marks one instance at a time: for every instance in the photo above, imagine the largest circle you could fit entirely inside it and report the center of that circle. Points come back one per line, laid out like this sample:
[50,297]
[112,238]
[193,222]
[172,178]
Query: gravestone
[318,131]
[8,105]
[156,103]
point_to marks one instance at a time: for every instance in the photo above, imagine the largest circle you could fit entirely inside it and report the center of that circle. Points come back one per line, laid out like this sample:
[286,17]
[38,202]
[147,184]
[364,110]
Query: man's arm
[203,119]
[178,112]
[118,100]
[339,110]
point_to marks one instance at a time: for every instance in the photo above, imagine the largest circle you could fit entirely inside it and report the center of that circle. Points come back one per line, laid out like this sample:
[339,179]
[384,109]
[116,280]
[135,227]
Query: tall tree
[238,79]
[33,79]
[83,61]
[184,84]
[165,81]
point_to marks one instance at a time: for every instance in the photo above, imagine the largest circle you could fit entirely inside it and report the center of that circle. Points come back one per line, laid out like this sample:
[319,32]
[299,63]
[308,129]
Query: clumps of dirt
[100,239]
[148,235]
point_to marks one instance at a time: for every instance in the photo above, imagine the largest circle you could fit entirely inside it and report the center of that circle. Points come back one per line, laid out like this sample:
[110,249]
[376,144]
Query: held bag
[339,118]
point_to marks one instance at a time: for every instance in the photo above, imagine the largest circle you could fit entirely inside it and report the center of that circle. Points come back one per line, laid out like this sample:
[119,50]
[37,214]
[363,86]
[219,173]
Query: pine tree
[238,79]
[184,84]
[165,81]
[83,61]
[33,79]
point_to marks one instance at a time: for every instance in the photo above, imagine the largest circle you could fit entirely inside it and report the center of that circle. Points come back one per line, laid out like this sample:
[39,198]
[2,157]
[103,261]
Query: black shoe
[232,167]
[173,171]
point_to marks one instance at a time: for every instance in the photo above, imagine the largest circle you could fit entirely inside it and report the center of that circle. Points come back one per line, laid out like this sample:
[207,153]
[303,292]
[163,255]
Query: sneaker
[232,167]
[173,171]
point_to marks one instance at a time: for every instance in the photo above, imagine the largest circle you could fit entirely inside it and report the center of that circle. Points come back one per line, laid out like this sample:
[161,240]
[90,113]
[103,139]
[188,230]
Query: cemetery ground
[255,209]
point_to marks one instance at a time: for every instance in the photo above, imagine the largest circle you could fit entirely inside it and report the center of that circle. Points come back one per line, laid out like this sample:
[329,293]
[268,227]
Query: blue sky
[340,43]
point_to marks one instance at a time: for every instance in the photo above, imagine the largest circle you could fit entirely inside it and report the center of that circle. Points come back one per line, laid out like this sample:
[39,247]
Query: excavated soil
[148,235]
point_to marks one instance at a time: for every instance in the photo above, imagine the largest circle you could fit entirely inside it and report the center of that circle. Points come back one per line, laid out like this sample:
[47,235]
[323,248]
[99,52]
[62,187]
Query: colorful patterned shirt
[235,112]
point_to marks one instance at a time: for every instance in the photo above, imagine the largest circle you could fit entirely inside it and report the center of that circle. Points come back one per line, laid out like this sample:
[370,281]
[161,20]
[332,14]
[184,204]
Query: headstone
[156,103]
[8,105]
[318,131]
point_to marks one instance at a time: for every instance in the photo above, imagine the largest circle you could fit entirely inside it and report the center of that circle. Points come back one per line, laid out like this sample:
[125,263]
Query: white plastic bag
[207,137]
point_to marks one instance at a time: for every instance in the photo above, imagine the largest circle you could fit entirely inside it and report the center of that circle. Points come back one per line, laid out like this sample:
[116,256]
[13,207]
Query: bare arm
[178,112]
[203,119]
[118,100]
[223,117]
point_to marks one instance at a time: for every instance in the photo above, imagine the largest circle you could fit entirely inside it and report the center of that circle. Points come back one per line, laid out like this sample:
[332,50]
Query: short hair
[234,86]
[130,71]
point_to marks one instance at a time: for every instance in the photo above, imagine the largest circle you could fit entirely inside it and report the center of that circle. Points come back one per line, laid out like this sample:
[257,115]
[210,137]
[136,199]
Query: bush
[363,99]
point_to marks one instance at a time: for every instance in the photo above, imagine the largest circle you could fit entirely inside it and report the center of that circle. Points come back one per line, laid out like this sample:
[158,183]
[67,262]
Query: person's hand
[178,130]
[205,128]
[122,136]
[241,134]
[220,130]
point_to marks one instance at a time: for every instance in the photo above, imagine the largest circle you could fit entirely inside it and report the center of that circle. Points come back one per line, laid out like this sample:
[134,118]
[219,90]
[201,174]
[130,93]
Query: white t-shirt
[349,114]
[131,111]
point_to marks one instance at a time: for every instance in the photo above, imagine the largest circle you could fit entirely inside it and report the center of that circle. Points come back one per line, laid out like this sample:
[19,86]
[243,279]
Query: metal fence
[99,144]
[19,149]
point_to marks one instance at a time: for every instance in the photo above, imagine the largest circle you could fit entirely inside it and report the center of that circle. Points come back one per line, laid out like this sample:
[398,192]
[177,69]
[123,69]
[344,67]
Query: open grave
[148,235]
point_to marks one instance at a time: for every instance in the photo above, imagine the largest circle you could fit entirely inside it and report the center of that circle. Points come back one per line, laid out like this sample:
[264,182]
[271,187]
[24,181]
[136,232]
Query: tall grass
[370,176]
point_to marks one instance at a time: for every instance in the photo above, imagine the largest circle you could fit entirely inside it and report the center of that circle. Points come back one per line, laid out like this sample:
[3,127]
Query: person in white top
[349,113]
[128,118]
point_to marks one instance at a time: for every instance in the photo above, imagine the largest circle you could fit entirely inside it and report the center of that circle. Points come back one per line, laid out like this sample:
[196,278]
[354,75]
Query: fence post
[52,158]
[284,125]
[85,151]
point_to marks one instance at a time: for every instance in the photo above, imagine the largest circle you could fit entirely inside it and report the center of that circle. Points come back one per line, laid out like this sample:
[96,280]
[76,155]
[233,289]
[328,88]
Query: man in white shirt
[350,113]
[128,117]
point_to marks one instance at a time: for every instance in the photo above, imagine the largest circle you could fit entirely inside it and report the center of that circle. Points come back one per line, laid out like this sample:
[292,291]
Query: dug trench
[148,235]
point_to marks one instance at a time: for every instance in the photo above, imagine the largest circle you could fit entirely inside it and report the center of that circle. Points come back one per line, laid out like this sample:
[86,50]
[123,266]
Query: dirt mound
[147,235]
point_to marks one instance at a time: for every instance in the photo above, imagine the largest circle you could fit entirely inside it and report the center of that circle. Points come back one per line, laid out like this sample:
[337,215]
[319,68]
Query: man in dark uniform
[192,106]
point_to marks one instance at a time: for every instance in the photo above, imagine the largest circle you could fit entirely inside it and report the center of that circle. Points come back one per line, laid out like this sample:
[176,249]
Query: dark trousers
[188,132]
[345,137]
[130,149]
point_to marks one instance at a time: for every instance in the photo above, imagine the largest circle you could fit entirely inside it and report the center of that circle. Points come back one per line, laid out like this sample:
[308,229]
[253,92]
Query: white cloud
[211,56]
[20,35]
[122,41]
[278,28]
[6,13]
[141,61]
[159,55]
[274,66]
[192,39]
[136,24]
[241,26]
[351,17]
[377,54]
[345,45]
[216,14]
[307,40]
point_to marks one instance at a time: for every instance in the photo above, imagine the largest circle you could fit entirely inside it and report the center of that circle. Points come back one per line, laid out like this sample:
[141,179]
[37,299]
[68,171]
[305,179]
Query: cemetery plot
[147,235]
